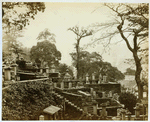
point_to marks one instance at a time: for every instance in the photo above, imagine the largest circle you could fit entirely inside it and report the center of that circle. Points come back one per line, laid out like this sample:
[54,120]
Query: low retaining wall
[25,81]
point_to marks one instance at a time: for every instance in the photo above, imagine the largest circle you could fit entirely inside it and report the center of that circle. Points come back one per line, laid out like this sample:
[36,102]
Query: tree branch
[122,35]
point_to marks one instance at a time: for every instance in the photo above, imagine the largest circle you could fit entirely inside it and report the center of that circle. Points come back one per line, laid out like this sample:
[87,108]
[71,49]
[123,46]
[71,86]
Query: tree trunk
[140,91]
[137,74]
[134,51]
[77,49]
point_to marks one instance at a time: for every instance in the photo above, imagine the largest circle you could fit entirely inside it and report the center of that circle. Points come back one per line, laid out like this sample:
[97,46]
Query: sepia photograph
[79,60]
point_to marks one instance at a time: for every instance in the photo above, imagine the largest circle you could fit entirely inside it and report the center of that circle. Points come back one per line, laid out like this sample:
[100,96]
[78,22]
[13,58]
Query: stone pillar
[110,93]
[123,112]
[137,113]
[53,68]
[85,109]
[55,116]
[70,85]
[103,94]
[62,85]
[87,78]
[95,109]
[41,70]
[94,94]
[14,67]
[146,106]
[118,117]
[129,115]
[17,77]
[55,84]
[61,113]
[93,76]
[103,115]
[12,75]
[105,79]
[7,74]
[47,70]
[118,112]
[41,117]
[100,79]
[91,91]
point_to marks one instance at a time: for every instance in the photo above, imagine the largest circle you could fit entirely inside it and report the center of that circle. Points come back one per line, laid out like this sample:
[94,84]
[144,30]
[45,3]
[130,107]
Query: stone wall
[29,76]
[115,88]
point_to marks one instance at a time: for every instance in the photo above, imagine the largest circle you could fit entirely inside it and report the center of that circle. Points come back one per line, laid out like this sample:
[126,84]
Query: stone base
[139,118]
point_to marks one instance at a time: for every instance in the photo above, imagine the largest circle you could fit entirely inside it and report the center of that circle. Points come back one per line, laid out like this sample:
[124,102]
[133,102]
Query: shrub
[129,100]
[25,101]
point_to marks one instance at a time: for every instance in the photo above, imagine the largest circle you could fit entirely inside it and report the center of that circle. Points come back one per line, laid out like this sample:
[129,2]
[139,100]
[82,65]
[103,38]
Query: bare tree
[132,26]
[80,34]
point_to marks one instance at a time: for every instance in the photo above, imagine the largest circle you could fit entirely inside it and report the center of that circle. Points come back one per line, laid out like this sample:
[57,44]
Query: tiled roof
[51,110]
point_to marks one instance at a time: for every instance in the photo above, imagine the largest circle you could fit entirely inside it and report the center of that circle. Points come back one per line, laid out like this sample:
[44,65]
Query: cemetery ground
[41,94]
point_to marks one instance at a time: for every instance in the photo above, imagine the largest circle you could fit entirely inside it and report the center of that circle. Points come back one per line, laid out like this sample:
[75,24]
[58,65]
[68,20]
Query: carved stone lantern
[137,112]
[103,115]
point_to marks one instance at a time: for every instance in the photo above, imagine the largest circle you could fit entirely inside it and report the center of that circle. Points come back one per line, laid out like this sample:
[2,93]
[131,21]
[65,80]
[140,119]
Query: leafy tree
[13,17]
[26,50]
[62,68]
[131,23]
[92,63]
[80,34]
[85,62]
[45,51]
[130,71]
[46,35]
[17,49]
[129,100]
[11,47]
[113,74]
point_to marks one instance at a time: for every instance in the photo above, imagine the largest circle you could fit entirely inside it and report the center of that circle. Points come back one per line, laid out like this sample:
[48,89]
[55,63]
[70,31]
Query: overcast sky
[58,17]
